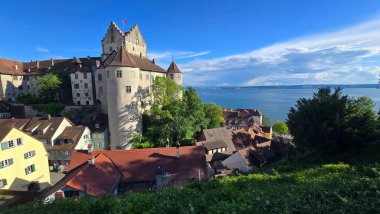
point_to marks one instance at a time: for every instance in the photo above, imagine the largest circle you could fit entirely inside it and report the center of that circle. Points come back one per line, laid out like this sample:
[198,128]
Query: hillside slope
[324,188]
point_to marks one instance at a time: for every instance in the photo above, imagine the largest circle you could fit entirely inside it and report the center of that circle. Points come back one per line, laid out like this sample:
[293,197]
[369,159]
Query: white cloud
[168,55]
[342,56]
[41,49]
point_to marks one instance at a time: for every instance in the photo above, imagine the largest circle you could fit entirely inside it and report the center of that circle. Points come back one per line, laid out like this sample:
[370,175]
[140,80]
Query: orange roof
[140,164]
[96,180]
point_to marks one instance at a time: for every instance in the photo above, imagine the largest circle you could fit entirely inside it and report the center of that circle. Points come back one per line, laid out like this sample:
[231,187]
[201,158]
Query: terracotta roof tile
[140,164]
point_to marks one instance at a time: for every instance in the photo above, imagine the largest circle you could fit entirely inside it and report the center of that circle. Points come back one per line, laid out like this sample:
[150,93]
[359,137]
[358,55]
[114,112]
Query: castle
[119,81]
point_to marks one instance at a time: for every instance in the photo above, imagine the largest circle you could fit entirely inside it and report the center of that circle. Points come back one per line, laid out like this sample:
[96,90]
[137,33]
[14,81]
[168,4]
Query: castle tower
[174,73]
[124,115]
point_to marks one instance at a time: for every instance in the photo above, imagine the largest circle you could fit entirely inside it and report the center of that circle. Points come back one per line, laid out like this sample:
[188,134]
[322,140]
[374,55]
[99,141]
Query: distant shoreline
[295,86]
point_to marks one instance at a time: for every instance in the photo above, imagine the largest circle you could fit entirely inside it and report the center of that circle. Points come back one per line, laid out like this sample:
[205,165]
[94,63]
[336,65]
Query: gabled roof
[51,124]
[17,123]
[173,68]
[214,144]
[70,133]
[122,58]
[140,164]
[96,180]
[4,131]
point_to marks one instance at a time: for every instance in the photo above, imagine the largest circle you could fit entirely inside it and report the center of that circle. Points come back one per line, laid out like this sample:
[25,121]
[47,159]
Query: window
[29,154]
[86,94]
[6,163]
[40,132]
[78,95]
[87,102]
[99,77]
[76,86]
[19,141]
[26,78]
[147,76]
[84,75]
[78,102]
[20,88]
[172,76]
[15,77]
[100,90]
[30,169]
[108,74]
[66,153]
[48,142]
[76,76]
[128,89]
[140,76]
[86,85]
[11,144]
[118,74]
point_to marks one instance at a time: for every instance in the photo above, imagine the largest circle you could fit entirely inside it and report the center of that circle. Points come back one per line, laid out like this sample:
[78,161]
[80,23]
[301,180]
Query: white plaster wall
[102,97]
[123,112]
[81,81]
[83,143]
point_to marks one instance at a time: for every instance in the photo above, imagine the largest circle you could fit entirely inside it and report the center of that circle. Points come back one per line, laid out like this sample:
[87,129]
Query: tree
[47,86]
[267,121]
[194,110]
[280,127]
[214,115]
[331,123]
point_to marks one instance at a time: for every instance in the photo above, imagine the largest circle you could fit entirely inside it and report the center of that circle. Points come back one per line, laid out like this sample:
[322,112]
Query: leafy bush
[27,99]
[53,109]
[329,188]
[332,123]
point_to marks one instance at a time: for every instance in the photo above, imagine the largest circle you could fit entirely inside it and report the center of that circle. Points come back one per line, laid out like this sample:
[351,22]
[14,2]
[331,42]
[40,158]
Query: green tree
[331,123]
[214,114]
[280,127]
[47,86]
[194,110]
[267,121]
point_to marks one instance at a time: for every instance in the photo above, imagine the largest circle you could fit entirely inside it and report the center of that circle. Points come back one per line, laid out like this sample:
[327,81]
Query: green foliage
[176,115]
[280,127]
[27,99]
[141,142]
[329,188]
[332,123]
[267,121]
[53,109]
[47,86]
[214,114]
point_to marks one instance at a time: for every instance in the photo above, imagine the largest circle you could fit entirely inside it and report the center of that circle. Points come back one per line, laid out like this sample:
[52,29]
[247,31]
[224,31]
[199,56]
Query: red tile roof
[96,180]
[140,164]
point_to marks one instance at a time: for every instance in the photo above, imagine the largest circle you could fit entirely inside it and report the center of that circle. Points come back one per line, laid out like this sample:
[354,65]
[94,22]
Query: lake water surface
[274,102]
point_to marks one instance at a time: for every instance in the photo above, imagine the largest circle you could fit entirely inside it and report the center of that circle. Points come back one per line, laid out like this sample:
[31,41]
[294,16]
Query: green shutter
[4,145]
[33,167]
[10,161]
[34,153]
[26,170]
[25,155]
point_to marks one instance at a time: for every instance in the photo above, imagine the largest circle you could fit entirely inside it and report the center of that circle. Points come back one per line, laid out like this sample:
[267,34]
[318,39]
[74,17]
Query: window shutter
[26,170]
[33,167]
[1,165]
[25,155]
[10,161]
[4,145]
[34,153]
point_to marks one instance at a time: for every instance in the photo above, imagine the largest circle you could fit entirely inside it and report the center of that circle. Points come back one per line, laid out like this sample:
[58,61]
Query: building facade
[23,162]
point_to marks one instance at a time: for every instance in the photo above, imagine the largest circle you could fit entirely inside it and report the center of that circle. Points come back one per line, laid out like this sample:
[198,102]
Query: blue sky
[215,42]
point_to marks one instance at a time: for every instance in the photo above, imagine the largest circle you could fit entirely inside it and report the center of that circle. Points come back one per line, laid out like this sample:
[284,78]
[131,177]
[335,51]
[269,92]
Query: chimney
[52,62]
[38,64]
[140,54]
[159,177]
[177,150]
[90,149]
[153,61]
[91,161]
[16,67]
[48,117]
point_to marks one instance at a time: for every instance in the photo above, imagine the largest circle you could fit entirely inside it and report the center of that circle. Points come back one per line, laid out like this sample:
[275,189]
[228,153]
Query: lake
[274,101]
